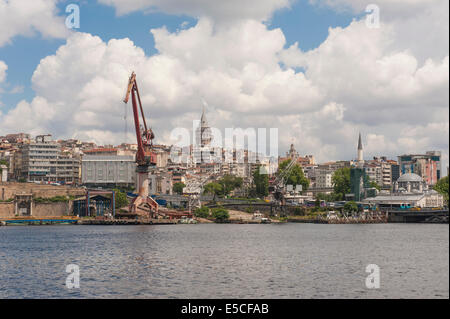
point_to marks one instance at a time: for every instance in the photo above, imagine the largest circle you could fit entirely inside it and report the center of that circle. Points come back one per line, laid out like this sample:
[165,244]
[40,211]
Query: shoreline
[134,222]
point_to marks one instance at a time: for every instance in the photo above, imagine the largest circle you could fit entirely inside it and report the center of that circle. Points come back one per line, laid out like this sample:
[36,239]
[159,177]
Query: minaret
[360,153]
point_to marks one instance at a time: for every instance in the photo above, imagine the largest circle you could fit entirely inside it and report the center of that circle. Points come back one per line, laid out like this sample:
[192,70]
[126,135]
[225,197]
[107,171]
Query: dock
[82,221]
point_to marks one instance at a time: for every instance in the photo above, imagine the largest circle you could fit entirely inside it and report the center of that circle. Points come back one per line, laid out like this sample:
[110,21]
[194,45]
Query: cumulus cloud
[18,17]
[217,10]
[371,80]
[421,26]
[393,81]
[3,68]
[230,68]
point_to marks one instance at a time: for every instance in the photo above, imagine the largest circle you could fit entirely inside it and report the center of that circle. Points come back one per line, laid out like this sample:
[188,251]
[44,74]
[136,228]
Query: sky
[319,71]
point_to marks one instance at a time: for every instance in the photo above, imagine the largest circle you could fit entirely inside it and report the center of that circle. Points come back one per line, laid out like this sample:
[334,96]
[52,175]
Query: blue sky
[303,23]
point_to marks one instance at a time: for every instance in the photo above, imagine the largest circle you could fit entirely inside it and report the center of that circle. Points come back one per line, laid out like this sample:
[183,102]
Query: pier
[418,216]
[84,221]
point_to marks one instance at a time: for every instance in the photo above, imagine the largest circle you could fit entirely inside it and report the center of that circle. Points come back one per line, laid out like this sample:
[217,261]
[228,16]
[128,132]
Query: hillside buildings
[43,161]
[427,166]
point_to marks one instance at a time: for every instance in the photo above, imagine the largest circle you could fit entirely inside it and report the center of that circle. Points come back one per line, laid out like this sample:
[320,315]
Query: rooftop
[410,177]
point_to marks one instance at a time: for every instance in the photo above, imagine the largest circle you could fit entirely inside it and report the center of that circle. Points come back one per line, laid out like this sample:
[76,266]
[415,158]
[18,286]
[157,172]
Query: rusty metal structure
[145,156]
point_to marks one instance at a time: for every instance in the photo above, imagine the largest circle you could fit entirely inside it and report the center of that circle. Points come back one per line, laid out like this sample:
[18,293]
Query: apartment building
[42,161]
[427,166]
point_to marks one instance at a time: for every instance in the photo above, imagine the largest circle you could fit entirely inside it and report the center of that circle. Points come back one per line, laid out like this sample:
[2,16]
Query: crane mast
[145,157]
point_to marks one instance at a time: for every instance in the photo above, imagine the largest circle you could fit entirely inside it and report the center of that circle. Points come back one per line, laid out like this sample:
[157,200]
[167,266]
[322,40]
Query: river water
[225,261]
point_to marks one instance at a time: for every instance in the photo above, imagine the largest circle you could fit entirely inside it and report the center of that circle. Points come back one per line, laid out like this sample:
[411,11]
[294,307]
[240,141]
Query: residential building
[323,178]
[379,170]
[42,161]
[427,166]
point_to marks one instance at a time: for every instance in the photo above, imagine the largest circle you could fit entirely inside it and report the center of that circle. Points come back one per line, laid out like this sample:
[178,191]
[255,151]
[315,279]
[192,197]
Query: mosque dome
[410,177]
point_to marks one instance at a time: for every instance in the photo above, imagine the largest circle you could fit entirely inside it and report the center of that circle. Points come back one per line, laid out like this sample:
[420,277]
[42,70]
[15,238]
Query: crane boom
[144,136]
[145,157]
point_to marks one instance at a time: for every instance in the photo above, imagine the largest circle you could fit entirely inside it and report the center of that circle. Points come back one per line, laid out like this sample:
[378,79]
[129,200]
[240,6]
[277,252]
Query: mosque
[410,191]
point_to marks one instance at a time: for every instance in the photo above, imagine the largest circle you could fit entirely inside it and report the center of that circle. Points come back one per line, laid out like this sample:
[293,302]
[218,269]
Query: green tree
[214,189]
[374,184]
[442,188]
[341,182]
[326,197]
[121,198]
[261,183]
[351,207]
[296,176]
[220,214]
[230,183]
[178,188]
[202,212]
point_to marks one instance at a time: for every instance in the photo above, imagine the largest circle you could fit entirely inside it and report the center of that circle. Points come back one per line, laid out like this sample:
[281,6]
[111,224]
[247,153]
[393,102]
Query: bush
[299,211]
[121,198]
[220,214]
[55,199]
[202,212]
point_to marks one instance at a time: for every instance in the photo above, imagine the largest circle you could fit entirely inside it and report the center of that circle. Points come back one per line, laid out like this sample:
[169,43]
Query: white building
[108,171]
[324,178]
[410,191]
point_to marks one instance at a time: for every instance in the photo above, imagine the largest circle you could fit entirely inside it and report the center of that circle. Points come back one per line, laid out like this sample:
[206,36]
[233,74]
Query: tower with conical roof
[203,131]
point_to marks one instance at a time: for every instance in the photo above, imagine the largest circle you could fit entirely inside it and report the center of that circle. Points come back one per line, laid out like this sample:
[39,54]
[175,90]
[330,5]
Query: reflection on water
[225,261]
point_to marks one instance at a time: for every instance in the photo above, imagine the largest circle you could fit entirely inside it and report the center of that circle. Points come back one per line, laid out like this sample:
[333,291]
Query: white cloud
[371,80]
[217,10]
[393,81]
[421,26]
[18,17]
[3,68]
[399,7]
[230,68]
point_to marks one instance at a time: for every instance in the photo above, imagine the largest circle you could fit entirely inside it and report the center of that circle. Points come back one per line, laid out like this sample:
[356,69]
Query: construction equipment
[194,188]
[277,186]
[145,157]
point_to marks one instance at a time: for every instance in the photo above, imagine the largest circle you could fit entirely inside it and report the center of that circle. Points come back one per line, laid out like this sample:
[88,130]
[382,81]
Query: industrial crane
[278,185]
[145,157]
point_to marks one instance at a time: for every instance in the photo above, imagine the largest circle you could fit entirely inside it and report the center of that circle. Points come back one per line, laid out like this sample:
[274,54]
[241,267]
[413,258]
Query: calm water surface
[225,261]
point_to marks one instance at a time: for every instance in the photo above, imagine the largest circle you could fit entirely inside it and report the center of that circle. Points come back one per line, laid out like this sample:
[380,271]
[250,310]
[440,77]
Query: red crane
[145,157]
